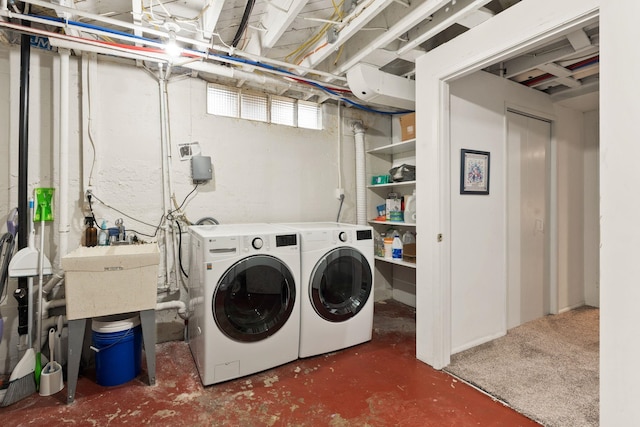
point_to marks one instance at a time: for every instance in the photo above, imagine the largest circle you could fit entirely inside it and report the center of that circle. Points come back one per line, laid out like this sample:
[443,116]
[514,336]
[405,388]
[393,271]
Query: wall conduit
[361,178]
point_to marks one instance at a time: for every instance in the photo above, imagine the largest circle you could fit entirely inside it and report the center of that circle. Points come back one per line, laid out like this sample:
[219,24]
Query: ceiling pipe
[147,54]
[115,22]
[205,45]
[197,65]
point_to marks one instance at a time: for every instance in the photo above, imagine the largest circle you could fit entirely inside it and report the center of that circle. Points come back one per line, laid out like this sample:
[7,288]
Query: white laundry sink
[105,280]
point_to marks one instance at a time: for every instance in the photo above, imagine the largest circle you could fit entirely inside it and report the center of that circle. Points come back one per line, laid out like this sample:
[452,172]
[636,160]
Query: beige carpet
[546,369]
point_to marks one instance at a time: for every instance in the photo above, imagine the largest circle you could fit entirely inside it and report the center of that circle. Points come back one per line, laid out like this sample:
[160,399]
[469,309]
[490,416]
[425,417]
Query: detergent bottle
[410,208]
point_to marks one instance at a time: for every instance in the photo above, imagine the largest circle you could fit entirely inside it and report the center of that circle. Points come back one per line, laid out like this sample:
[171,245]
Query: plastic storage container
[396,248]
[410,209]
[117,341]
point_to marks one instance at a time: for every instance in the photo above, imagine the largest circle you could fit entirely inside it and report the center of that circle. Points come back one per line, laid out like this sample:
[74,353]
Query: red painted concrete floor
[379,383]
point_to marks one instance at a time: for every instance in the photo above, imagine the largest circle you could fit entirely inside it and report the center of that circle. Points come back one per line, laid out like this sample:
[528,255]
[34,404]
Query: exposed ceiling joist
[136,7]
[351,24]
[555,69]
[410,20]
[592,85]
[209,18]
[476,17]
[526,63]
[387,35]
[579,39]
[278,18]
[443,19]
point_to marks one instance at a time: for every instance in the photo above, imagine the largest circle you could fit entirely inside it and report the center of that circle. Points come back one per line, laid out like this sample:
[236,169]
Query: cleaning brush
[22,382]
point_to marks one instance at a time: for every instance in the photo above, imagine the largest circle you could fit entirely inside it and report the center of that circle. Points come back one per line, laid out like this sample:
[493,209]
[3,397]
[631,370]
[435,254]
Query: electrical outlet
[339,193]
[86,208]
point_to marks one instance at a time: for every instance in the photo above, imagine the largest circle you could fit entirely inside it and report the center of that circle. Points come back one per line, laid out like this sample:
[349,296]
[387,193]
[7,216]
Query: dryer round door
[254,298]
[340,284]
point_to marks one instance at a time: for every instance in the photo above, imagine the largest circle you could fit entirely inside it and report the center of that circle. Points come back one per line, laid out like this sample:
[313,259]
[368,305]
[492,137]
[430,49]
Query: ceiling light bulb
[172,47]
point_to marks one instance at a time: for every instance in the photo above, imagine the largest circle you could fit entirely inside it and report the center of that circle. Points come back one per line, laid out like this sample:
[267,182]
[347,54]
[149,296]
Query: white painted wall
[569,136]
[479,287]
[262,172]
[619,213]
[529,24]
[592,208]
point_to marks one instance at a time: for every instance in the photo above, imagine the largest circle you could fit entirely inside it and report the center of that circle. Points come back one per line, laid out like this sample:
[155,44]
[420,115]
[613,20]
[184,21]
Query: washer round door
[340,284]
[254,298]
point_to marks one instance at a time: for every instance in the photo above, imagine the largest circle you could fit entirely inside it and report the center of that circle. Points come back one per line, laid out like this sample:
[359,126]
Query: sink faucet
[120,225]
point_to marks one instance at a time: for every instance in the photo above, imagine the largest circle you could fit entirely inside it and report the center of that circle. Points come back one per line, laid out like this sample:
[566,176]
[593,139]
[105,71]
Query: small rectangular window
[233,102]
[283,111]
[309,115]
[253,107]
[222,101]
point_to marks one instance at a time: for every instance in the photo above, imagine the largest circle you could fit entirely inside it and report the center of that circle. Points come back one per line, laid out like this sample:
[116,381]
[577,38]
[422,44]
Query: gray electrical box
[201,170]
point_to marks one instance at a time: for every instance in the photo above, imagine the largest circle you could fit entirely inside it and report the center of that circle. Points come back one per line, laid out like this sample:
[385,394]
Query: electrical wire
[324,88]
[119,211]
[185,199]
[243,22]
[199,54]
[340,208]
[180,249]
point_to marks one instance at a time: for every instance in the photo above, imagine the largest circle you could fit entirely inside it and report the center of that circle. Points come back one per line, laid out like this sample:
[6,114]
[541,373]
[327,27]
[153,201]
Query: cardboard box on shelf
[393,209]
[408,126]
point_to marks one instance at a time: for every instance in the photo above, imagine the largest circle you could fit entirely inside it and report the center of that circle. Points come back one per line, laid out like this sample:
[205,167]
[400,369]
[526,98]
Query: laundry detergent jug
[410,208]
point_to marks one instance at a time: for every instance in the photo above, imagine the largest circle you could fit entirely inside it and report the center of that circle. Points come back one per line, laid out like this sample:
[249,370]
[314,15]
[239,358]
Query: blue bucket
[117,341]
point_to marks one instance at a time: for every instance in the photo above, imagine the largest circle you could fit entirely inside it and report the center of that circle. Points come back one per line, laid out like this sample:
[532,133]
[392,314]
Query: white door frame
[518,29]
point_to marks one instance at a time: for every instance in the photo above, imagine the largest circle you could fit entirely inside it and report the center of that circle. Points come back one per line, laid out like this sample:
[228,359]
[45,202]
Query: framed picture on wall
[474,172]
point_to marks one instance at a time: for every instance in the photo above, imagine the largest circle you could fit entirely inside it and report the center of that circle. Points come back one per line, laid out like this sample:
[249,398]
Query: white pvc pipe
[179,305]
[52,282]
[361,174]
[63,159]
[166,194]
[167,126]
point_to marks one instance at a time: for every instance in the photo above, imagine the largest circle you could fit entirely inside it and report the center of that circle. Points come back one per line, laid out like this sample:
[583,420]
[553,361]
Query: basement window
[234,102]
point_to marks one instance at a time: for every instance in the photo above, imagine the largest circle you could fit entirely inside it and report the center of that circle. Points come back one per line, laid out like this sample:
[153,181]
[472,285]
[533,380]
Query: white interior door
[528,143]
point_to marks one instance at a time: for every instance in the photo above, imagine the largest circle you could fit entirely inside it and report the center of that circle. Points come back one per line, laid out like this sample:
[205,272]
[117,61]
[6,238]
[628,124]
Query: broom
[22,382]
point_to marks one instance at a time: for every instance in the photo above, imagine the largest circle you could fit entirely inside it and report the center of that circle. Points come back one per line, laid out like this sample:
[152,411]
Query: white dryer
[244,299]
[336,288]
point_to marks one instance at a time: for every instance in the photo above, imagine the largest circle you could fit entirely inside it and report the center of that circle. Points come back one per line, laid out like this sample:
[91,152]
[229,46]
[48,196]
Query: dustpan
[51,377]
[25,262]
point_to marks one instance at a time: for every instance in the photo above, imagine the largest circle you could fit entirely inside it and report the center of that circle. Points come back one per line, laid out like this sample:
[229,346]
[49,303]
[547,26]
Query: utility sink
[105,280]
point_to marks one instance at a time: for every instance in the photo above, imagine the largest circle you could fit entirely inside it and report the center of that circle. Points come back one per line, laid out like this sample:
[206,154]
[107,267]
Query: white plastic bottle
[396,247]
[103,236]
[410,209]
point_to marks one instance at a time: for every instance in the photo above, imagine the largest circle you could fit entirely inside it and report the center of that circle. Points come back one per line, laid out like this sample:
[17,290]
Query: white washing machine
[336,288]
[244,297]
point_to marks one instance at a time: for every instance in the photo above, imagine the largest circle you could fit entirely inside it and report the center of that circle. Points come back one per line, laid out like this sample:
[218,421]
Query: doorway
[528,147]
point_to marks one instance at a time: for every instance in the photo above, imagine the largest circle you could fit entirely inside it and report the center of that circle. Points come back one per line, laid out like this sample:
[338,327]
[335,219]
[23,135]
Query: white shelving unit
[399,274]
[395,149]
[396,223]
[392,184]
[396,262]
